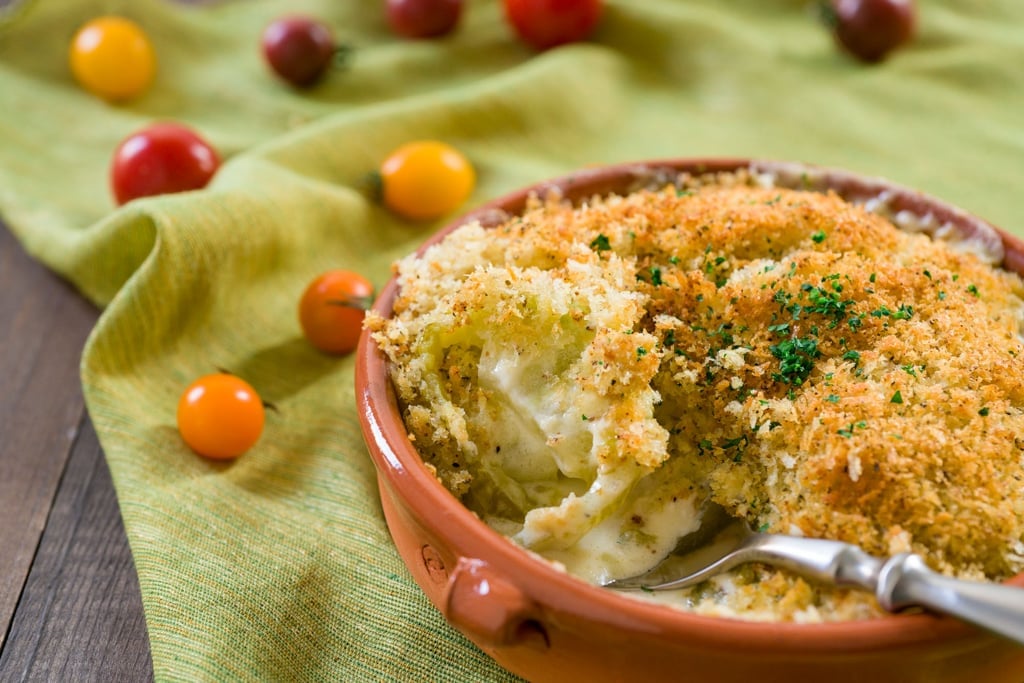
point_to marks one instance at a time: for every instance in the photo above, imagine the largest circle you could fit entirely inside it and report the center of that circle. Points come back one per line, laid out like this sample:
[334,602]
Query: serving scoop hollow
[898,582]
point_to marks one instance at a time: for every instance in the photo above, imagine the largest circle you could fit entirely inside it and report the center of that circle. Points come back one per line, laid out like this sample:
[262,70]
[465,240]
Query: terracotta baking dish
[548,626]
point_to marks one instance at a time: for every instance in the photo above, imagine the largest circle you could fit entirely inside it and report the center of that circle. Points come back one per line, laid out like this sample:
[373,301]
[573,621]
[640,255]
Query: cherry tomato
[332,309]
[547,23]
[870,29]
[423,18]
[163,158]
[425,180]
[298,49]
[220,416]
[112,57]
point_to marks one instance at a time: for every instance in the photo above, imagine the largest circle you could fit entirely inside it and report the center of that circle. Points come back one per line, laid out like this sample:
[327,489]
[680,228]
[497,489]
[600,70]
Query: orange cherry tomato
[425,180]
[112,57]
[332,309]
[220,416]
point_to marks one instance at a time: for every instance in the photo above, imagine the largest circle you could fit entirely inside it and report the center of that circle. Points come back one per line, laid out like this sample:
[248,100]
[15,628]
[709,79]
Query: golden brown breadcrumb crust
[819,370]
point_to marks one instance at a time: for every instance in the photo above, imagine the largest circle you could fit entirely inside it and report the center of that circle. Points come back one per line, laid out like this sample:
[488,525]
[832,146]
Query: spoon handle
[905,581]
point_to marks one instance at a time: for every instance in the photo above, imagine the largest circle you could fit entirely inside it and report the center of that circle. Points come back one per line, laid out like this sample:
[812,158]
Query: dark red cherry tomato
[548,23]
[160,159]
[871,29]
[423,18]
[298,49]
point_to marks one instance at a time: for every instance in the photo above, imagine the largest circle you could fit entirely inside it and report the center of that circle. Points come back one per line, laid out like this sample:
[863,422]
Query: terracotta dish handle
[490,609]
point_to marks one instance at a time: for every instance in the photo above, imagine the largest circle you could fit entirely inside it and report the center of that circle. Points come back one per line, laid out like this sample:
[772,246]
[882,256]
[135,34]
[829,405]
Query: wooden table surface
[70,608]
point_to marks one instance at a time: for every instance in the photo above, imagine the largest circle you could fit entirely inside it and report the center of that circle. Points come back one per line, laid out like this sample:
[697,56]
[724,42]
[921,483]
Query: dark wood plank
[80,617]
[43,325]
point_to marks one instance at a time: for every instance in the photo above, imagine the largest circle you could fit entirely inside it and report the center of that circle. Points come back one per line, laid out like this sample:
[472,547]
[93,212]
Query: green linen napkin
[279,566]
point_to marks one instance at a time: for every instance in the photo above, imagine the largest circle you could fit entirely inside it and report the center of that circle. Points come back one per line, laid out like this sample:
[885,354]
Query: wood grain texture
[80,616]
[70,607]
[43,325]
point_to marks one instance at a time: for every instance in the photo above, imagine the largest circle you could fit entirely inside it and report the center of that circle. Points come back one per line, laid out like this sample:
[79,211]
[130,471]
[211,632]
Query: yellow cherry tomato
[112,57]
[425,180]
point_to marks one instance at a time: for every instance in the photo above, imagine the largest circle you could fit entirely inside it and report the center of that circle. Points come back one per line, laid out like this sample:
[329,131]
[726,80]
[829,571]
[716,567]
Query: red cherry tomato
[423,18]
[298,49]
[332,309]
[871,29]
[160,159]
[547,23]
[220,416]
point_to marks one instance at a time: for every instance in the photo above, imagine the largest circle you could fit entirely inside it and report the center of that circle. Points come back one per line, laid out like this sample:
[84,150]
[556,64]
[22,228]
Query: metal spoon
[898,582]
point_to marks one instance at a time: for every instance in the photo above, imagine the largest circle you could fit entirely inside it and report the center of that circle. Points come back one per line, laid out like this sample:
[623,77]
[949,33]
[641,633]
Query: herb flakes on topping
[796,359]
[600,243]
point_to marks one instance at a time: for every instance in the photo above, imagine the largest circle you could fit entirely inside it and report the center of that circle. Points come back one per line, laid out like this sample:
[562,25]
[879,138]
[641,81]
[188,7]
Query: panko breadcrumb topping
[582,372]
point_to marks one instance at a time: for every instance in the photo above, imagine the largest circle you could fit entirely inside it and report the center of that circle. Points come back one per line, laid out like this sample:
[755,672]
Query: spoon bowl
[898,582]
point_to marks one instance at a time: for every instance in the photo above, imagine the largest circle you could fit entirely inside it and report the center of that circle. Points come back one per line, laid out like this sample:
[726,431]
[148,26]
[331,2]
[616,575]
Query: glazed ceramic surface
[548,626]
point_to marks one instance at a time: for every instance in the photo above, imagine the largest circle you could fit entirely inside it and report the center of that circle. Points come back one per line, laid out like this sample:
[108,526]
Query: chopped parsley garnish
[904,312]
[852,355]
[655,276]
[819,236]
[832,398]
[847,432]
[872,278]
[641,352]
[942,295]
[601,243]
[983,412]
[896,398]
[973,289]
[796,359]
[822,302]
